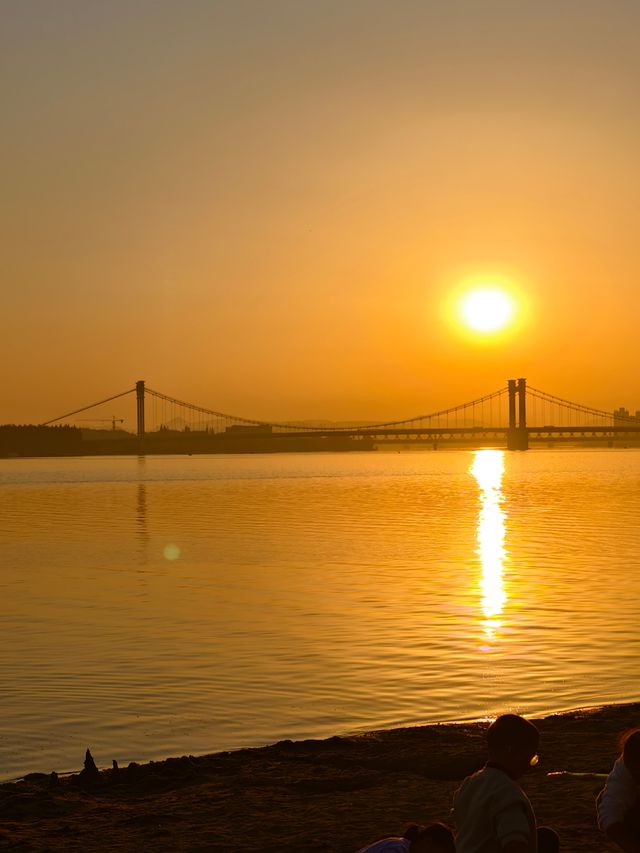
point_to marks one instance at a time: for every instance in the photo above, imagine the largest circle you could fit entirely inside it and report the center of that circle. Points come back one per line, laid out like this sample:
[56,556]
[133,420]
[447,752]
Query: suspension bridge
[514,416]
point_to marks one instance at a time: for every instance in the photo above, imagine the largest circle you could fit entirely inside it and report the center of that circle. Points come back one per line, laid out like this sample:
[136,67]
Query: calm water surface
[172,605]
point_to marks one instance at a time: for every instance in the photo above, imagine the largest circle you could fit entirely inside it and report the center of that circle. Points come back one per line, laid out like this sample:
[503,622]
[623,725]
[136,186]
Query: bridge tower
[518,437]
[140,406]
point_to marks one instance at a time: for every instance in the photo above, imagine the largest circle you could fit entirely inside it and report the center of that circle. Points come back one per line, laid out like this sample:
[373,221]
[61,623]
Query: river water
[168,605]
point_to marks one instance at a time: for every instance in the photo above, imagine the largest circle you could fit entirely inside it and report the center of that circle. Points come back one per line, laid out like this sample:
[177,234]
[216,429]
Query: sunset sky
[270,207]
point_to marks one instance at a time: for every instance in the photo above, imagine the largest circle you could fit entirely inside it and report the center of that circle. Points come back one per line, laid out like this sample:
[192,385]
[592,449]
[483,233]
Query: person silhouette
[434,838]
[618,804]
[492,814]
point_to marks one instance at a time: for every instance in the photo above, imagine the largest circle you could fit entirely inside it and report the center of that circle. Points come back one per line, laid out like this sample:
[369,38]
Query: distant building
[623,416]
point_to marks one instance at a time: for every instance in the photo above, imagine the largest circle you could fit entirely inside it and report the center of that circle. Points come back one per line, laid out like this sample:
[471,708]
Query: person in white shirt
[619,802]
[434,838]
[492,814]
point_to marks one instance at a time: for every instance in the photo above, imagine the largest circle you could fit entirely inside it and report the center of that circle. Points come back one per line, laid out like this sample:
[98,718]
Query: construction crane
[113,420]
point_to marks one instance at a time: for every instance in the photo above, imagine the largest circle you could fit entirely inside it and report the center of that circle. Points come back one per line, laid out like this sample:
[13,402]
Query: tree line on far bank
[35,440]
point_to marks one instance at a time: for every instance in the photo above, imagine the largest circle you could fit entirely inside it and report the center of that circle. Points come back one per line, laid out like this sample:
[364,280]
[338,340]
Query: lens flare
[171,551]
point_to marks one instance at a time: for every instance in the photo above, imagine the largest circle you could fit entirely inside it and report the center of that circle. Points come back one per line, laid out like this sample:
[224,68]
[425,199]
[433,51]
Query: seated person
[492,814]
[434,838]
[619,802]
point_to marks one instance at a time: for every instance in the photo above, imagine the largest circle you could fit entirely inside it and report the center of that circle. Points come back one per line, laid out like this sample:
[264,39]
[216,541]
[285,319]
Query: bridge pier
[518,436]
[140,407]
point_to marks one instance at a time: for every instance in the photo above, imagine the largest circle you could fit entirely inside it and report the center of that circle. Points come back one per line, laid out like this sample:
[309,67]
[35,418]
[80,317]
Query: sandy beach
[329,795]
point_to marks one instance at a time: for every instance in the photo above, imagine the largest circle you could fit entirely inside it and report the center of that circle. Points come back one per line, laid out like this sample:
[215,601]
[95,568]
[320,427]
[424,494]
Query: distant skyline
[266,208]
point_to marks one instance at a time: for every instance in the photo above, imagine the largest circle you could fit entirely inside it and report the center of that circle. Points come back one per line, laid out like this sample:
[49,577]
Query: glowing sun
[486,309]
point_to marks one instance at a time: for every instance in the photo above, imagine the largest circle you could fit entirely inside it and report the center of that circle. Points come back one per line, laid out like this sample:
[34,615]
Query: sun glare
[488,469]
[486,309]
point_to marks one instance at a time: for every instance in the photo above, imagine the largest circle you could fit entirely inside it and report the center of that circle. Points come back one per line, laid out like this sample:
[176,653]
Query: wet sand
[327,795]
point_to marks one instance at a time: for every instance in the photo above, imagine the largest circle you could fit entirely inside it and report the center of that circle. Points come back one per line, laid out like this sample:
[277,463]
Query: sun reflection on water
[487,468]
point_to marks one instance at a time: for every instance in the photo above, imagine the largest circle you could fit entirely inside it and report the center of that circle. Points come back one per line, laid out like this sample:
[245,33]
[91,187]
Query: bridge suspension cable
[303,427]
[576,407]
[90,406]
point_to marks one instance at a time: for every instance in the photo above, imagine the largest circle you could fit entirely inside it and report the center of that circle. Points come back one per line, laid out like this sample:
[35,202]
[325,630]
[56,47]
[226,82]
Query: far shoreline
[330,796]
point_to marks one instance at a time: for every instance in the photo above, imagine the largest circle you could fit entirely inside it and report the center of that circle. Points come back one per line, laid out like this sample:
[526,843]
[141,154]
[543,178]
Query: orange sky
[263,208]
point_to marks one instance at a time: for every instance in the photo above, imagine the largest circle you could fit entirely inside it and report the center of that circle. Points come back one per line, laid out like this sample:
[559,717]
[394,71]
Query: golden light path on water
[487,468]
